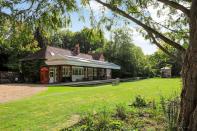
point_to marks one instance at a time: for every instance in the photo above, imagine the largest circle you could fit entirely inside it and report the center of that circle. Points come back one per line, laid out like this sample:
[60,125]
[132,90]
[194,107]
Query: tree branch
[160,46]
[176,6]
[176,58]
[161,36]
[25,10]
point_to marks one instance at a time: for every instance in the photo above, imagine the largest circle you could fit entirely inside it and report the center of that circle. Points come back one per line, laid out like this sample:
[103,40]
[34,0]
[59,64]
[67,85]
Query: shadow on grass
[93,85]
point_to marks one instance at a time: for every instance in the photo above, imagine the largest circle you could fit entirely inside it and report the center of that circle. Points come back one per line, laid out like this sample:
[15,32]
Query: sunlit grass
[52,108]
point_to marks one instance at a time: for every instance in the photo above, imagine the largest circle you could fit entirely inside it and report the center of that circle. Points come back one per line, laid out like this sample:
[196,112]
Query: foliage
[179,21]
[103,120]
[159,60]
[20,22]
[138,118]
[47,17]
[31,70]
[87,122]
[123,52]
[171,109]
[120,111]
[116,50]
[10,48]
[90,40]
[139,102]
[99,122]
[51,108]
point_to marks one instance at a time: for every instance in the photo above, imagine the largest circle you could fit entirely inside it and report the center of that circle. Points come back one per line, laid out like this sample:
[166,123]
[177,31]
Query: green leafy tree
[90,40]
[180,22]
[123,52]
[159,60]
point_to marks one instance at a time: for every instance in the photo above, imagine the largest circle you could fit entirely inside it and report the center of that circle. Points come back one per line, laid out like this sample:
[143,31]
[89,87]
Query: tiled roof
[50,51]
[58,56]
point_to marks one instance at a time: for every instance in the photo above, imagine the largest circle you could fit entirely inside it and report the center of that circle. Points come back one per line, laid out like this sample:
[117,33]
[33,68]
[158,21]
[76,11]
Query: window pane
[95,72]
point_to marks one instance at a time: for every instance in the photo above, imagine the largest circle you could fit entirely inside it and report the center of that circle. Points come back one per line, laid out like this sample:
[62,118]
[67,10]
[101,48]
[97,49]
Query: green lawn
[51,109]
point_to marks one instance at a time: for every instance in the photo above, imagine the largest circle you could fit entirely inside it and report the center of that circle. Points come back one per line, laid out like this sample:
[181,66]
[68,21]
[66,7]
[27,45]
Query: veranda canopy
[72,60]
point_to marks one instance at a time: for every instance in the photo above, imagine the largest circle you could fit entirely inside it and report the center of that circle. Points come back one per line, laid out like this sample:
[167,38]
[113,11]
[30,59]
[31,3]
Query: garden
[141,104]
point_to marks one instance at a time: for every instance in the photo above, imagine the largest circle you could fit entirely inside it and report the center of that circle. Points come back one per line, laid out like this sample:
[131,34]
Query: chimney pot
[76,49]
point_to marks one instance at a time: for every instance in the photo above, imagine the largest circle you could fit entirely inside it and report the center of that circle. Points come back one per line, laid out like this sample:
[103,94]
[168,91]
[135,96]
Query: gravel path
[10,92]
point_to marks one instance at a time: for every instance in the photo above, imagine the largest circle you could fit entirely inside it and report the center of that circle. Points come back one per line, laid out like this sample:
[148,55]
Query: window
[85,72]
[95,72]
[78,70]
[66,71]
[82,71]
[75,71]
[51,74]
[90,71]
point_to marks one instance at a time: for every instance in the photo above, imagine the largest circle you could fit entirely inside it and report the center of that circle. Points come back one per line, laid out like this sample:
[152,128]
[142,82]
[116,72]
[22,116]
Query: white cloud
[145,45]
[96,7]
[138,39]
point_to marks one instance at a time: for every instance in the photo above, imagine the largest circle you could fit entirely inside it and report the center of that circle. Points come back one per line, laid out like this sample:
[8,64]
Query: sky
[77,25]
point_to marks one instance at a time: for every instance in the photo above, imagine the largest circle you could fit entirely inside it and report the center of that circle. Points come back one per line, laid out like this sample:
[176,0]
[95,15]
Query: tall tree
[181,19]
[121,47]
[137,12]
[159,60]
[90,40]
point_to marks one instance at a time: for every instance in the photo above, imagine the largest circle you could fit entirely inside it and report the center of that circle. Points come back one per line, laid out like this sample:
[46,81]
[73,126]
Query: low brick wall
[8,77]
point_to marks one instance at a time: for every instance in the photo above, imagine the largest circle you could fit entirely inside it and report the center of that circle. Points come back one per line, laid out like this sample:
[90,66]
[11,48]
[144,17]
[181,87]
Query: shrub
[153,104]
[116,125]
[87,123]
[121,111]
[171,110]
[103,120]
[139,102]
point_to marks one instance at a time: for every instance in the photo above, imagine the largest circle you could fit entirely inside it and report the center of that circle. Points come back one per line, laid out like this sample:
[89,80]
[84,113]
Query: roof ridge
[66,49]
[58,48]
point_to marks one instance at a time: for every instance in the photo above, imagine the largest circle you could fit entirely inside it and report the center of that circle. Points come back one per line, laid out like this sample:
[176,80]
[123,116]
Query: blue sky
[78,25]
[138,40]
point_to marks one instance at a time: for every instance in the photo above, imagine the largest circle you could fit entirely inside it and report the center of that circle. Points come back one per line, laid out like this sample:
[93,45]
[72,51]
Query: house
[53,65]
[165,72]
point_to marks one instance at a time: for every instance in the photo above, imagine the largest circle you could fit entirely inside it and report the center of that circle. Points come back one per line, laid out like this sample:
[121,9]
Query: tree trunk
[188,113]
[42,42]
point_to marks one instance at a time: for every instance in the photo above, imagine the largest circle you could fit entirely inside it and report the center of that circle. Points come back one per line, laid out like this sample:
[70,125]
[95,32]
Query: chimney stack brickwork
[95,56]
[76,49]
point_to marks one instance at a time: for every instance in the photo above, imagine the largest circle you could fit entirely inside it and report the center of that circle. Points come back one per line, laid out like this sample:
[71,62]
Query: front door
[52,74]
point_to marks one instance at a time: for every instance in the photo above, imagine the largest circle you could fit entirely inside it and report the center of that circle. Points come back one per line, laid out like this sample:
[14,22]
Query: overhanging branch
[160,46]
[5,15]
[176,6]
[161,36]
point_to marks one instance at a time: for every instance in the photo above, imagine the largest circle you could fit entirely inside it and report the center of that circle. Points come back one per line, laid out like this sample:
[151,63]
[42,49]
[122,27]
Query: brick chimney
[76,49]
[97,56]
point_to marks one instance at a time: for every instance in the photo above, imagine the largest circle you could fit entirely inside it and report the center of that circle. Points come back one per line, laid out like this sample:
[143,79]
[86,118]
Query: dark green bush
[121,111]
[139,102]
[87,123]
[171,109]
[116,125]
[103,120]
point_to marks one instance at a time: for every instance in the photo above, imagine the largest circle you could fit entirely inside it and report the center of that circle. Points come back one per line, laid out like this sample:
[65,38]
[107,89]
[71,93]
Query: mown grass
[51,109]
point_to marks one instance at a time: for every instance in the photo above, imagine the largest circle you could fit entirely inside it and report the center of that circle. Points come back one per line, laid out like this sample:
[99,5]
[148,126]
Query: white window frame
[77,70]
[66,71]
